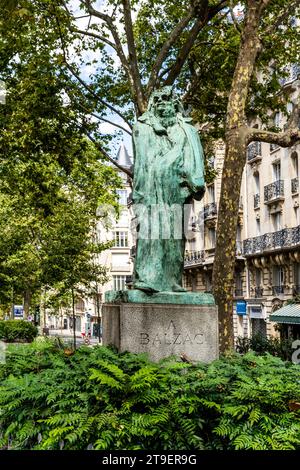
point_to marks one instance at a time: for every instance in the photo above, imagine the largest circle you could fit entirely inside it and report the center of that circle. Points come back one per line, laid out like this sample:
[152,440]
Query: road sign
[18,311]
[241,307]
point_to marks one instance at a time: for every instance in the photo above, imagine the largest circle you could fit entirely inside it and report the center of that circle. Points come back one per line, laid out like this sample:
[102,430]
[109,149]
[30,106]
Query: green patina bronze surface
[168,172]
[178,298]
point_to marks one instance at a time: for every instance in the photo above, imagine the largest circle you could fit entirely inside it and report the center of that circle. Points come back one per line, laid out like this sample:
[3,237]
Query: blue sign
[241,307]
[18,311]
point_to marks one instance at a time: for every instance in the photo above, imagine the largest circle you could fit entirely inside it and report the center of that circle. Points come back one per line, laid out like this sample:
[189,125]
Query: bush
[99,399]
[261,344]
[17,330]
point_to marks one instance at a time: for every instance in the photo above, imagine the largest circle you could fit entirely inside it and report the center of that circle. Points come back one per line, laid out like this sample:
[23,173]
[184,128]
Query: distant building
[267,268]
[117,260]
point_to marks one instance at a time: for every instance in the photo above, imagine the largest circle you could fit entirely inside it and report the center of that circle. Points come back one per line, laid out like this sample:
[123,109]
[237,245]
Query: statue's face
[163,105]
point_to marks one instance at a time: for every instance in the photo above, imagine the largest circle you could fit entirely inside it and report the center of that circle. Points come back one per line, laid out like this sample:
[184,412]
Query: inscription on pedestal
[163,330]
[170,337]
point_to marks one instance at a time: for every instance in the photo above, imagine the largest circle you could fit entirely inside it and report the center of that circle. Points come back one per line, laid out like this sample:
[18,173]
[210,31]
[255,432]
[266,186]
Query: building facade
[267,268]
[117,260]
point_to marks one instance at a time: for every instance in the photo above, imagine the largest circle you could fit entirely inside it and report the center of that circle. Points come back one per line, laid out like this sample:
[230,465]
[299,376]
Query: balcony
[256,201]
[274,192]
[210,211]
[193,257]
[254,152]
[277,290]
[292,73]
[295,185]
[285,238]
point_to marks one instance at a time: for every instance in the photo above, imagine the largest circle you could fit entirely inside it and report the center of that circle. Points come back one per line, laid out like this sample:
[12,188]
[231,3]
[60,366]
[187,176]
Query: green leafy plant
[260,344]
[98,399]
[17,330]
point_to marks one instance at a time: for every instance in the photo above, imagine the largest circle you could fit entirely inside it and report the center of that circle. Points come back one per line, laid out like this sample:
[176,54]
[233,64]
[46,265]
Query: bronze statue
[168,173]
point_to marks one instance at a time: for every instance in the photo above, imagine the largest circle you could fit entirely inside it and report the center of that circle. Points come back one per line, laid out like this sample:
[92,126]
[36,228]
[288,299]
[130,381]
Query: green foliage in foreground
[97,399]
[17,330]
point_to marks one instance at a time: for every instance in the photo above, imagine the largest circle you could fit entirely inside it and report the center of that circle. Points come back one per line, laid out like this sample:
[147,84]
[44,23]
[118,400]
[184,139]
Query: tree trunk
[27,301]
[236,140]
[223,274]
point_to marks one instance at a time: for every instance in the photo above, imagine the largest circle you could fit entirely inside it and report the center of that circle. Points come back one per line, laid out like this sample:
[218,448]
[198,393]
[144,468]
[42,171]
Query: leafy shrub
[99,399]
[17,330]
[277,347]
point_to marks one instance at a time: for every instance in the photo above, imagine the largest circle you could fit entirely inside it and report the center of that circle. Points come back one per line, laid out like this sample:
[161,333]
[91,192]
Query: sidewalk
[68,335]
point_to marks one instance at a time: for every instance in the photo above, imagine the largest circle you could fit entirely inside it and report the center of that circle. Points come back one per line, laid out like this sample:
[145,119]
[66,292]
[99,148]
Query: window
[277,221]
[121,239]
[208,281]
[256,184]
[212,237]
[119,282]
[276,171]
[258,327]
[277,120]
[257,227]
[79,306]
[122,196]
[278,277]
[211,193]
[297,274]
[295,163]
[257,277]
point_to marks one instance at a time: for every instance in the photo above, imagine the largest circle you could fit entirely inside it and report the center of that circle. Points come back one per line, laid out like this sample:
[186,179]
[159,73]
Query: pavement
[68,337]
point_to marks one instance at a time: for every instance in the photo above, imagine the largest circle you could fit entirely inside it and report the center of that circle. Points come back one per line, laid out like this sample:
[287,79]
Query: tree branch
[235,22]
[288,138]
[207,15]
[118,45]
[106,155]
[95,95]
[101,118]
[94,35]
[133,62]
[165,49]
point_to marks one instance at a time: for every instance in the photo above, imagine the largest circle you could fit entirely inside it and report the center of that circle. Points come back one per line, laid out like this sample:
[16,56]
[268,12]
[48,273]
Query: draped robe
[168,172]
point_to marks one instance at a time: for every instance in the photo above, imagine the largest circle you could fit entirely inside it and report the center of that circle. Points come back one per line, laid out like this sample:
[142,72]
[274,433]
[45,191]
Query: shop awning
[287,314]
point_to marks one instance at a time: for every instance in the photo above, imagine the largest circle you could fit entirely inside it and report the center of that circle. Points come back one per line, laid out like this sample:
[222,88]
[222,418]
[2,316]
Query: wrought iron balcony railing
[258,291]
[273,191]
[253,151]
[277,290]
[285,238]
[193,257]
[210,210]
[293,74]
[256,201]
[295,185]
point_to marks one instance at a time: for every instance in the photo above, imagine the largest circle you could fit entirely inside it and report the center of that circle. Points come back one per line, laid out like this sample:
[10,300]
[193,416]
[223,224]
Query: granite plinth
[162,329]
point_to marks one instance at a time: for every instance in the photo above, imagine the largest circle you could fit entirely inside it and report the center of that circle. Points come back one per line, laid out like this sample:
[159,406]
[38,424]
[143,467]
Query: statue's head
[164,103]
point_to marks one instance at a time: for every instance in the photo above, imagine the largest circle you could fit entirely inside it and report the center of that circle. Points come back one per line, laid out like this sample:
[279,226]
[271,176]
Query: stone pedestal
[162,330]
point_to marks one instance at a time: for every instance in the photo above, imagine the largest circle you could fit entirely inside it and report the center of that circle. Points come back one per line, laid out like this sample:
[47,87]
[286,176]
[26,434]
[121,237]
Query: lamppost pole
[98,312]
[74,320]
